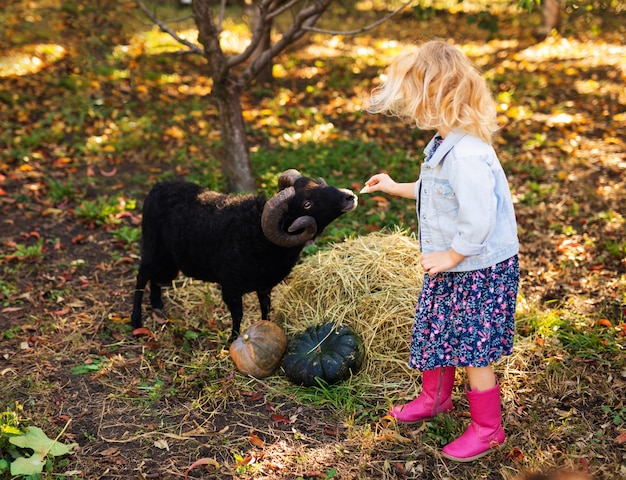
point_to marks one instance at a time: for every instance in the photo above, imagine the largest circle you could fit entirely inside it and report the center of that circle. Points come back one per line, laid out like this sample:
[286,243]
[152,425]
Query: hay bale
[369,283]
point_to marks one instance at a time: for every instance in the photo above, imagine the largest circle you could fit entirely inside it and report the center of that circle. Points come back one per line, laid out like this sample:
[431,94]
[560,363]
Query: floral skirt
[465,318]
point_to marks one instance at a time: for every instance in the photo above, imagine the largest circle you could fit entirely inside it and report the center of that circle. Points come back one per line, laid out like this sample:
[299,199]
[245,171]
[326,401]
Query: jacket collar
[450,141]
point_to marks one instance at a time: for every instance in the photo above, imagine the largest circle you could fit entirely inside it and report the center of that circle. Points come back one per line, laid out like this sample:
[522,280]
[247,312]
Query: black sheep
[243,242]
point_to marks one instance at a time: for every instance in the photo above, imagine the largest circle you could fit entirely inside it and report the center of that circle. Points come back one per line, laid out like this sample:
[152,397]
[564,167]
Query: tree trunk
[236,162]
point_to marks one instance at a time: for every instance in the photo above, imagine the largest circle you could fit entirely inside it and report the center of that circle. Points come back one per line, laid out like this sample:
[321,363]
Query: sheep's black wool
[222,238]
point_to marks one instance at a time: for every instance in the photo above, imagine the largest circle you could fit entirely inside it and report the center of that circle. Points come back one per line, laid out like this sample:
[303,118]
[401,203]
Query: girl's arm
[381,182]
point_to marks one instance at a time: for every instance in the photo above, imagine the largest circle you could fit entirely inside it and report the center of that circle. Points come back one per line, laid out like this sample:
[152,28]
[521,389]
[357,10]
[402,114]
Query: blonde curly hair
[437,87]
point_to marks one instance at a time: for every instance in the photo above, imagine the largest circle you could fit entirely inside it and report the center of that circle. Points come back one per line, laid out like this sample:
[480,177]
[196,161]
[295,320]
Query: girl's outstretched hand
[379,182]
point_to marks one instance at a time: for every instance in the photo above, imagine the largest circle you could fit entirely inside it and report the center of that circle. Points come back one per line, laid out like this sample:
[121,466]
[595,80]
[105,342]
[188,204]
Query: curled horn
[288,178]
[273,212]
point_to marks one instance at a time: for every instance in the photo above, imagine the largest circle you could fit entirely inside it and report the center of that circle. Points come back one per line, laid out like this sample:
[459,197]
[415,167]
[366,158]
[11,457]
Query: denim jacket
[464,202]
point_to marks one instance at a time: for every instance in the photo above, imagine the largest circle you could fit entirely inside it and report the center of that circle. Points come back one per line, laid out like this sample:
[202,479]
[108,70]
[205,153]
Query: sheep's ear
[288,178]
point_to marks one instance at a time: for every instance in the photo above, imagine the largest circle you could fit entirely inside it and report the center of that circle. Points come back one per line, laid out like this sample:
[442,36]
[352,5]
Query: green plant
[484,20]
[537,192]
[350,398]
[154,389]
[618,416]
[127,236]
[6,290]
[26,252]
[585,342]
[540,323]
[443,429]
[92,366]
[90,211]
[616,248]
[104,210]
[27,450]
[10,333]
[61,190]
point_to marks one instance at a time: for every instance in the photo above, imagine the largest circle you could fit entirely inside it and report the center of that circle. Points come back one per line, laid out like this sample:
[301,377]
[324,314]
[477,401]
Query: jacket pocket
[443,197]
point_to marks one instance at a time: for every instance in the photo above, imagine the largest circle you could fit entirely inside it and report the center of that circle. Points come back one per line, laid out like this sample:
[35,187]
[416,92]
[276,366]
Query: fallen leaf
[143,331]
[314,474]
[75,303]
[621,438]
[203,461]
[110,452]
[46,212]
[11,309]
[256,441]
[401,469]
[394,436]
[253,396]
[279,418]
[585,464]
[515,454]
[118,319]
[110,173]
[63,311]
[249,460]
[78,239]
[162,444]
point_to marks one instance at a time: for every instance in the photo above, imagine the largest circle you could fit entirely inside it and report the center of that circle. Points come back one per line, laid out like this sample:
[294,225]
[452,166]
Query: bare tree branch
[222,13]
[164,28]
[364,29]
[258,31]
[303,19]
[179,19]
[281,9]
[303,22]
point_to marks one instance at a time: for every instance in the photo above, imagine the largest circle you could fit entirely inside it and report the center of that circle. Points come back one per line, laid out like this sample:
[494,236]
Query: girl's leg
[485,430]
[480,378]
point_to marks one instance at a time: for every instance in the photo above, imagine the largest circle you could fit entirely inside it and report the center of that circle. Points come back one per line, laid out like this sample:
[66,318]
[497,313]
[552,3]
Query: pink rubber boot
[484,431]
[436,397]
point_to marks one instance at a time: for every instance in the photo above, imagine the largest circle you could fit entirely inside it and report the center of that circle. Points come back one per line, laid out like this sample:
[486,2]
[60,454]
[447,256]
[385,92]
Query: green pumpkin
[325,351]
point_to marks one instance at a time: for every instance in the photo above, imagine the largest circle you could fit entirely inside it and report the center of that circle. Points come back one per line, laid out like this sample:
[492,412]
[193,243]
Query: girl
[467,234]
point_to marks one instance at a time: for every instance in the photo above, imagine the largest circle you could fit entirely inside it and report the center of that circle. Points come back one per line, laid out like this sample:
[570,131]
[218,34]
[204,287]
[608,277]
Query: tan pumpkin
[258,351]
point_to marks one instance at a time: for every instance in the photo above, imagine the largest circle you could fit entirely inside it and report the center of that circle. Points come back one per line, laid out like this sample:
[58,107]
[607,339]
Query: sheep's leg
[235,306]
[162,274]
[142,281]
[156,302]
[264,301]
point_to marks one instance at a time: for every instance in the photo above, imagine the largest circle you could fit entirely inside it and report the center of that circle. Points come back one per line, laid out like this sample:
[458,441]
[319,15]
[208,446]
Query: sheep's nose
[350,199]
